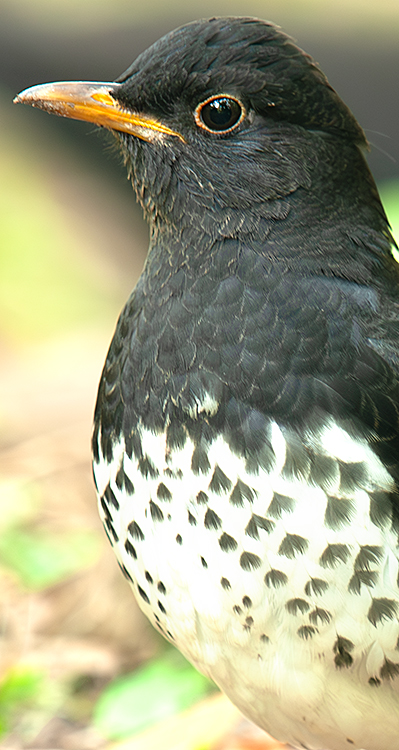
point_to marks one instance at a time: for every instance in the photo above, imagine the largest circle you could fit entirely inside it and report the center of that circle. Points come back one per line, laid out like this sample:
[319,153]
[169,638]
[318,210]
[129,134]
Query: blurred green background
[72,243]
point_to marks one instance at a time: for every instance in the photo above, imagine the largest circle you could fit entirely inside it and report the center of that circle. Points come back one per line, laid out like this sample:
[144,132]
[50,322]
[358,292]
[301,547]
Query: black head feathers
[245,57]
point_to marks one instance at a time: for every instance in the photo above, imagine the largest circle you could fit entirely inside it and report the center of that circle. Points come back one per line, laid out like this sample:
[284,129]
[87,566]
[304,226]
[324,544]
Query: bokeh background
[73,645]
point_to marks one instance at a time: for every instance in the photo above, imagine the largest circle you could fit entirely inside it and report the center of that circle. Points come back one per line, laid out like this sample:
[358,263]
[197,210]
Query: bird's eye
[219,114]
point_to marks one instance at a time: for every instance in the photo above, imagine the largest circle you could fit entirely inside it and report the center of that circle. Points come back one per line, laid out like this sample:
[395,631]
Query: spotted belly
[280,583]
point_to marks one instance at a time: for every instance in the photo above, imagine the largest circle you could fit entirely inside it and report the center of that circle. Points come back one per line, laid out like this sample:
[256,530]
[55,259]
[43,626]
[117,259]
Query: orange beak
[96,103]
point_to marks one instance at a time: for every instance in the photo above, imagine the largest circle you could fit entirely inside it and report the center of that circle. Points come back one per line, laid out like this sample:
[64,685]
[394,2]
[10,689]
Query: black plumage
[276,292]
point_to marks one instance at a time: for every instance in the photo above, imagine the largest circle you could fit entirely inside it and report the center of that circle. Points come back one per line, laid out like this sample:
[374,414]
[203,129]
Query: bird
[246,432]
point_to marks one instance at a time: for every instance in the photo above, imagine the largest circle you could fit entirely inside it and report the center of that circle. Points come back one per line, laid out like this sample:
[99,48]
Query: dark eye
[219,114]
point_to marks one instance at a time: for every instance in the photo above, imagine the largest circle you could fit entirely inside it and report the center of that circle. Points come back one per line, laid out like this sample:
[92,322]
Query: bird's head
[218,122]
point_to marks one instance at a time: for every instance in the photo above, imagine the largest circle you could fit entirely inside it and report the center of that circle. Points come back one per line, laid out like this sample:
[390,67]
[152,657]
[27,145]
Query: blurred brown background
[72,243]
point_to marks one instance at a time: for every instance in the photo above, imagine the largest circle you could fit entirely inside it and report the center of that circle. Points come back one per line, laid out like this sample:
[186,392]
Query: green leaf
[160,689]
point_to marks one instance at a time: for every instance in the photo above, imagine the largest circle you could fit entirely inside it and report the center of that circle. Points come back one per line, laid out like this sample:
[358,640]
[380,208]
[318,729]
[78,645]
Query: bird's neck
[324,218]
[312,233]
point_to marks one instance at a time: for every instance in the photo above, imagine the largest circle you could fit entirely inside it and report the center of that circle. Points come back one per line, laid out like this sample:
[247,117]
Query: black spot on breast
[161,587]
[380,508]
[129,487]
[108,522]
[353,476]
[237,610]
[200,461]
[342,648]
[275,579]
[109,497]
[105,508]
[125,572]
[120,478]
[320,615]
[297,606]
[297,459]
[96,459]
[147,468]
[176,435]
[250,561]
[306,631]
[143,594]
[333,555]
[191,519]
[264,638]
[161,607]
[225,583]
[212,520]
[163,493]
[219,482]
[247,602]
[368,555]
[122,481]
[315,586]
[130,549]
[382,609]
[110,530]
[261,457]
[133,445]
[202,498]
[258,522]
[293,545]
[389,670]
[204,562]
[227,543]
[323,470]
[374,682]
[148,577]
[339,512]
[249,621]
[156,512]
[241,492]
[280,504]
[179,539]
[366,577]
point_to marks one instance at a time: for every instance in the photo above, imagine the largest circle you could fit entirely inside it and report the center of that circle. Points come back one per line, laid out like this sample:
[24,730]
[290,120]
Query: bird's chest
[276,581]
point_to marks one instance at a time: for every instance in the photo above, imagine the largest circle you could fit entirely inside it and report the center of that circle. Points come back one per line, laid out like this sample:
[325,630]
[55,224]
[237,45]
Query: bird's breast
[275,580]
[256,530]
